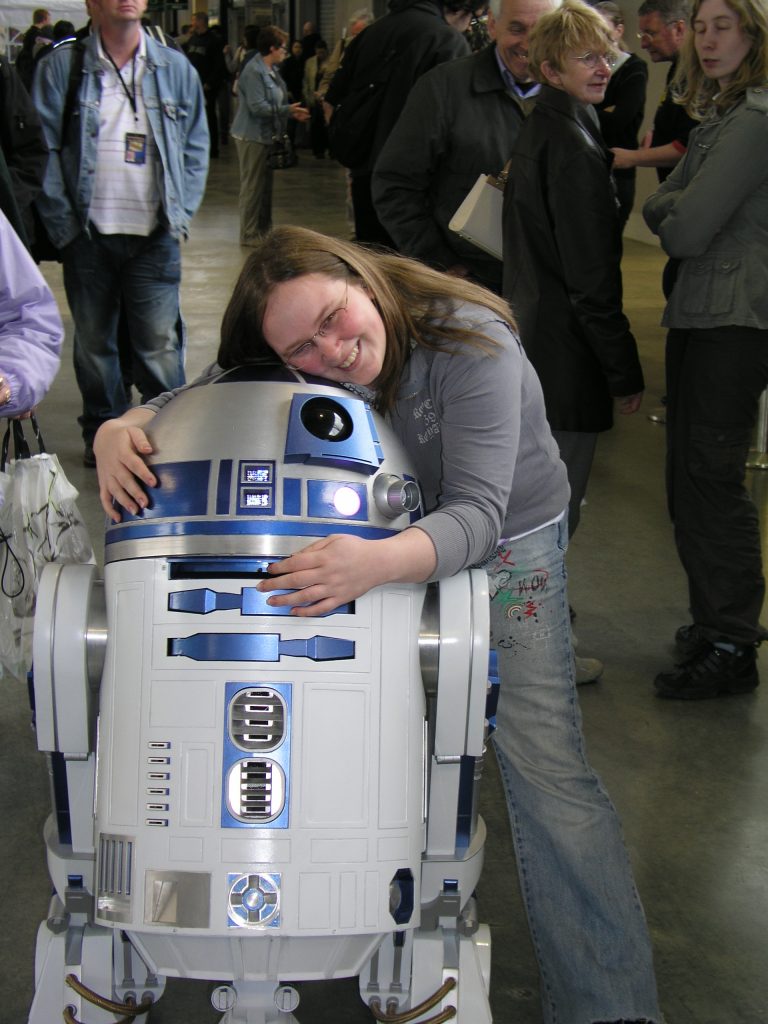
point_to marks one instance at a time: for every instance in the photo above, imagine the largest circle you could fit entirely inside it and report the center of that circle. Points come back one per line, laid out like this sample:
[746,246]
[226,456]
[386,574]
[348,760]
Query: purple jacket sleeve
[31,331]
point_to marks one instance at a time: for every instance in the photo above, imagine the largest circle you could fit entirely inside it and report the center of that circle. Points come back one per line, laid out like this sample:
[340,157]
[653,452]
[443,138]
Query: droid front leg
[441,971]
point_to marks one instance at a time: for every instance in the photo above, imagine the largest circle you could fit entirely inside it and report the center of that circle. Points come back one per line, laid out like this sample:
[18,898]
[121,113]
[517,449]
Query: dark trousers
[577,450]
[318,131]
[625,193]
[368,229]
[715,378]
[211,113]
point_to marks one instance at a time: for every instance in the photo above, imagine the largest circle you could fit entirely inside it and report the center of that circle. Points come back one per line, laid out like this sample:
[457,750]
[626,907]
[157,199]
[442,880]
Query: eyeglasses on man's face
[593,60]
[651,35]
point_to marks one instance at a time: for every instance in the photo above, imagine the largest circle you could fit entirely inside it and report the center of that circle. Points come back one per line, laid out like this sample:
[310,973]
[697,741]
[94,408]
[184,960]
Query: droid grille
[257,719]
[256,790]
[115,866]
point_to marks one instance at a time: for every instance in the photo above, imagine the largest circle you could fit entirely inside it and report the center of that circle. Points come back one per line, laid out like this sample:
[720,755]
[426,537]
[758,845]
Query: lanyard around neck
[131,94]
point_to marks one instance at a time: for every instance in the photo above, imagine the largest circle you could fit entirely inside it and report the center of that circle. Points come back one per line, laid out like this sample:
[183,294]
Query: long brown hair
[697,93]
[415,302]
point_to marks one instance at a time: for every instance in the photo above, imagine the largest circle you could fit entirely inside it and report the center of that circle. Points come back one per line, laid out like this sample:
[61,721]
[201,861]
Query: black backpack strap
[73,86]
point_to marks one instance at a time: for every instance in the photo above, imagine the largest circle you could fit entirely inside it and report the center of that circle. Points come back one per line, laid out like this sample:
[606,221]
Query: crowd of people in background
[408,100]
[416,105]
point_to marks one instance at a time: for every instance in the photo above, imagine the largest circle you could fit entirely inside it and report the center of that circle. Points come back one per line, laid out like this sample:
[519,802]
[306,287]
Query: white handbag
[478,219]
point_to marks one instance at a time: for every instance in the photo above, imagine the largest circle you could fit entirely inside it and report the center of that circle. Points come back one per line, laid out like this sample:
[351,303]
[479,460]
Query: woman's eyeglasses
[592,60]
[306,351]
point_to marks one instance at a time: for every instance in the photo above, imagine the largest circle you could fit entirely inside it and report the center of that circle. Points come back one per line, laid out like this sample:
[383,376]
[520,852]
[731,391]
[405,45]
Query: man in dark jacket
[205,50]
[39,33]
[414,37]
[23,153]
[460,121]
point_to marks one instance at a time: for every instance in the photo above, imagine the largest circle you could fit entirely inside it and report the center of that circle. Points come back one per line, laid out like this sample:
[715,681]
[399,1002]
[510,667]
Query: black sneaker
[89,459]
[689,640]
[712,672]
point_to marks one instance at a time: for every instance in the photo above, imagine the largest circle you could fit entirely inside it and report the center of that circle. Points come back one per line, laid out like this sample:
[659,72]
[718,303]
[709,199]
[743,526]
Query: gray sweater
[474,425]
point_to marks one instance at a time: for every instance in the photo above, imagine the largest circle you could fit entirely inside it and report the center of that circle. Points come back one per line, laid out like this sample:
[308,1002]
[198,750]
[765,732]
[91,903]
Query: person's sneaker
[712,672]
[89,459]
[588,670]
[689,640]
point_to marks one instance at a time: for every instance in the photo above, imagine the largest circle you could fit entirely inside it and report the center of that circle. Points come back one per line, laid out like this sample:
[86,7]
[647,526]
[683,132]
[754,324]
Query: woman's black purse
[281,153]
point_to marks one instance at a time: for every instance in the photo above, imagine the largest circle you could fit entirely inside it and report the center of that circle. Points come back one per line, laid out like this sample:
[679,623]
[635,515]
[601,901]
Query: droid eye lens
[326,419]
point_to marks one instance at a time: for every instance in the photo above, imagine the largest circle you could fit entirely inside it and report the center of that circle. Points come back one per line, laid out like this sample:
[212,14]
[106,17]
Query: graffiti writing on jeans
[519,592]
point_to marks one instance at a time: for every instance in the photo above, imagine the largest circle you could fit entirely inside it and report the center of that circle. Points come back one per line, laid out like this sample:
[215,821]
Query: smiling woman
[349,344]
[562,243]
[441,357]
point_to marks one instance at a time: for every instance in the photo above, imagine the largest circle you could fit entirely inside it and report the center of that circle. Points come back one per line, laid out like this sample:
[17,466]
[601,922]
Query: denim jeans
[101,272]
[587,924]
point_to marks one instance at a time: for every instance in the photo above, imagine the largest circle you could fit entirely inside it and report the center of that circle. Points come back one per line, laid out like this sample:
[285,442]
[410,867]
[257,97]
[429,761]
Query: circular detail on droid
[326,419]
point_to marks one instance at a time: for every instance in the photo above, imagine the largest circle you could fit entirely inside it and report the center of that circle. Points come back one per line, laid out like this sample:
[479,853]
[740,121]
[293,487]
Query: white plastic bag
[39,523]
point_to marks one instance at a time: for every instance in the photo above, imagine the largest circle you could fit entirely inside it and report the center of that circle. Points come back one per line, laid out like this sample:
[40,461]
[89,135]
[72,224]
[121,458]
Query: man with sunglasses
[662,24]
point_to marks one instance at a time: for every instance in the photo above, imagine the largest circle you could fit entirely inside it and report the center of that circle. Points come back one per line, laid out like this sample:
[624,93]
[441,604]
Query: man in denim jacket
[124,119]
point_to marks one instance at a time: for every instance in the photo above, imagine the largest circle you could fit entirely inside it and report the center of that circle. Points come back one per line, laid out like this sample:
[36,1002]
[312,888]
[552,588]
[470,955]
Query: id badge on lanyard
[135,148]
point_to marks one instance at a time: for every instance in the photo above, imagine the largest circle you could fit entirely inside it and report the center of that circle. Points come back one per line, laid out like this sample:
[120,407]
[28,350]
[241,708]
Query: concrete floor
[690,780]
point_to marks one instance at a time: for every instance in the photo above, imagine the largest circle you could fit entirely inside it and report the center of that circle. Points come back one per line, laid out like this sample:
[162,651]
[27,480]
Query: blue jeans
[587,924]
[101,272]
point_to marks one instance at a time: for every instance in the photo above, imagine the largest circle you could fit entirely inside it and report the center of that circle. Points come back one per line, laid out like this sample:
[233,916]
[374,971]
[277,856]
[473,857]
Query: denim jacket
[712,214]
[175,109]
[262,104]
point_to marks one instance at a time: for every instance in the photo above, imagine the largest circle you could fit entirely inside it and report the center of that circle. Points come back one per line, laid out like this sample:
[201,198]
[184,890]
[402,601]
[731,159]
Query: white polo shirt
[126,196]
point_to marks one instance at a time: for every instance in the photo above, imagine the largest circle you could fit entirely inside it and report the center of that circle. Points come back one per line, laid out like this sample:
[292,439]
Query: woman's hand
[341,568]
[299,112]
[120,447]
[629,403]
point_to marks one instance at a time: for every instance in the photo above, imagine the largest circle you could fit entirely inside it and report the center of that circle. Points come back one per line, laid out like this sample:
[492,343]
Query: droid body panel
[254,797]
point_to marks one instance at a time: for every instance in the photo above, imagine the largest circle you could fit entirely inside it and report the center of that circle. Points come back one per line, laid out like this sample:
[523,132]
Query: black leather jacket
[562,272]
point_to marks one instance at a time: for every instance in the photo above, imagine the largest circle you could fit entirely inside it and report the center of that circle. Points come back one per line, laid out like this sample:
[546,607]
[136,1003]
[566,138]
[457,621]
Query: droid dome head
[266,451]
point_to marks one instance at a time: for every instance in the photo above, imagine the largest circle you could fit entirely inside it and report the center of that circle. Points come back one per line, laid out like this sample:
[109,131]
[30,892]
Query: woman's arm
[31,331]
[658,205]
[120,447]
[732,170]
[467,422]
[583,216]
[255,91]
[341,568]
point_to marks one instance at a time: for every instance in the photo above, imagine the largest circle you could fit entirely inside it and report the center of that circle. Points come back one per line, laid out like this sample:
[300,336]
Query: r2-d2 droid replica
[246,796]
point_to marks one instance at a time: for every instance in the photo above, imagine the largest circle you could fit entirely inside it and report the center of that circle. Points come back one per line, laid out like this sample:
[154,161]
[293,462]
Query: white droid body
[245,795]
